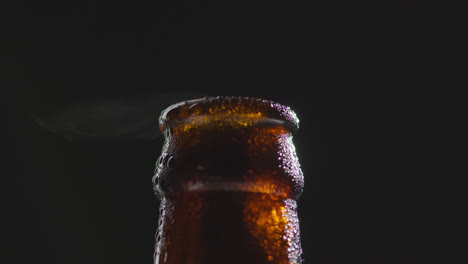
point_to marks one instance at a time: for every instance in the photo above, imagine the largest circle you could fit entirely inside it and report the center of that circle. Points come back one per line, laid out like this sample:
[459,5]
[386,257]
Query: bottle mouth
[230,110]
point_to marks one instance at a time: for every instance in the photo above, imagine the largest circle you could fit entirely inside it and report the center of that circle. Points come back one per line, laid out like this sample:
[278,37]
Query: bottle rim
[239,108]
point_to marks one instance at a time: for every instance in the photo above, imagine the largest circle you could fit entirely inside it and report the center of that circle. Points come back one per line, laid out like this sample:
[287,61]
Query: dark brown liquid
[228,227]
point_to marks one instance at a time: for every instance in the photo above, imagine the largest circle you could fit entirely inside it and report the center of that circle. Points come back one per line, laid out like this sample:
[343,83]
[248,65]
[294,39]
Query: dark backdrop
[378,87]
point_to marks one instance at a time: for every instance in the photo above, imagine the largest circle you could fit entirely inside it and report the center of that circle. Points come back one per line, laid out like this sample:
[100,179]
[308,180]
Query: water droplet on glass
[169,162]
[155,179]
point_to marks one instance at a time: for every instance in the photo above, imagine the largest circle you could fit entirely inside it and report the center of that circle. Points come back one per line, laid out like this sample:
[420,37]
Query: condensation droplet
[155,180]
[169,162]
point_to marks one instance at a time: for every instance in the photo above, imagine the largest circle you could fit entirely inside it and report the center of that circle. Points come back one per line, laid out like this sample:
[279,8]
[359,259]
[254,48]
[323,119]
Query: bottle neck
[227,227]
[228,177]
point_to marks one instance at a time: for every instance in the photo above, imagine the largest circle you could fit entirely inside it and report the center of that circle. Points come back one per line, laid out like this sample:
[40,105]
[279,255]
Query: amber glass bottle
[228,179]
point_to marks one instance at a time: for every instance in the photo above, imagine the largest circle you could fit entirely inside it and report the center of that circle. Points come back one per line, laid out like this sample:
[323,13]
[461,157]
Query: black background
[378,87]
